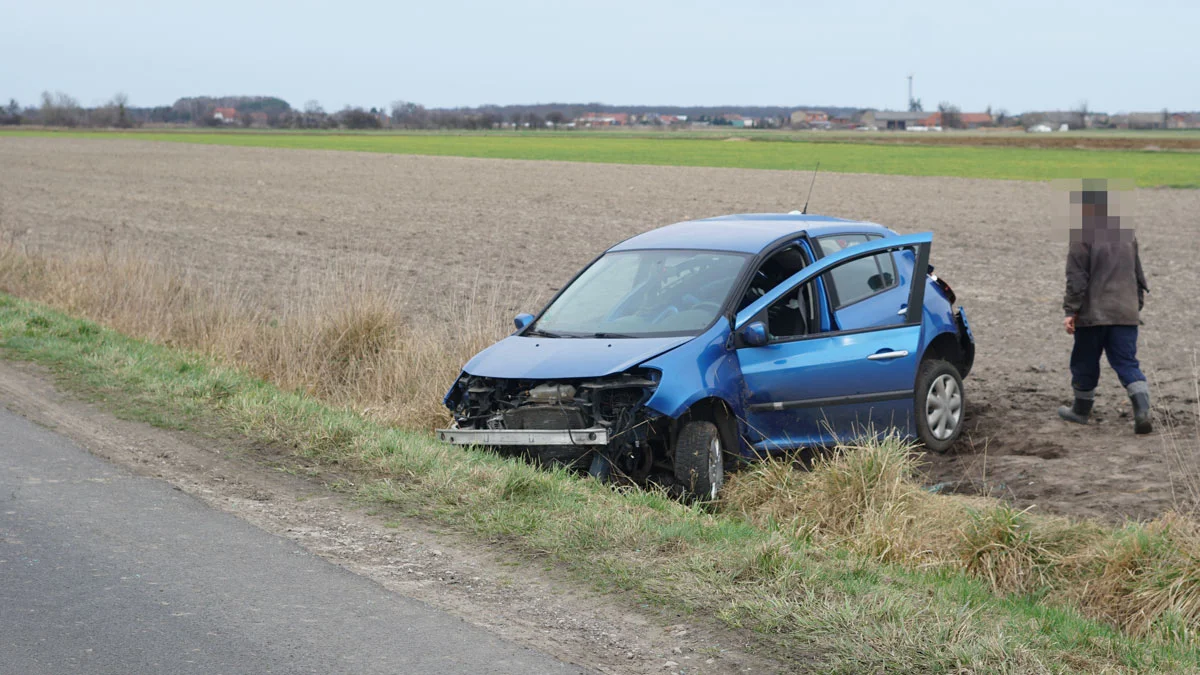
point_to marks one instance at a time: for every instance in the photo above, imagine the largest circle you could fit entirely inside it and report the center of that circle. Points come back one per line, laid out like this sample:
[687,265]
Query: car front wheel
[699,459]
[940,405]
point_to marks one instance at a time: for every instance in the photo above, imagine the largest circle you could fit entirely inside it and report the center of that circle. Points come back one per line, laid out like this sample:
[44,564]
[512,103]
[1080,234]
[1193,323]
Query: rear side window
[858,279]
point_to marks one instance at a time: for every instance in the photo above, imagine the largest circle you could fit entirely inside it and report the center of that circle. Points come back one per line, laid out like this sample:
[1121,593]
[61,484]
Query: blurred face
[1095,216]
[1095,210]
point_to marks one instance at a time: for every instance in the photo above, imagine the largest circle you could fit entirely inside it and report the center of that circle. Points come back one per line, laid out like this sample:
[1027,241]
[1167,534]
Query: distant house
[739,122]
[800,118]
[595,119]
[969,120]
[1147,120]
[1184,121]
[225,115]
[846,121]
[892,120]
[1054,118]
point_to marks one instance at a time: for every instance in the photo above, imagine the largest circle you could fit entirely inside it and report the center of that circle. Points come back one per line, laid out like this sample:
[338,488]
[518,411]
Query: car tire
[940,405]
[700,459]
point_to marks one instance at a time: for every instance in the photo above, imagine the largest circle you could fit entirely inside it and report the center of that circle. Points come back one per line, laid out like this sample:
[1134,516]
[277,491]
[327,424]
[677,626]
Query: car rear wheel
[700,459]
[940,405]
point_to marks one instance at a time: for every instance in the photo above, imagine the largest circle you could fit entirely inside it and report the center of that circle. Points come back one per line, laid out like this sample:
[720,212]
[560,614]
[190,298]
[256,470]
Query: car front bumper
[524,437]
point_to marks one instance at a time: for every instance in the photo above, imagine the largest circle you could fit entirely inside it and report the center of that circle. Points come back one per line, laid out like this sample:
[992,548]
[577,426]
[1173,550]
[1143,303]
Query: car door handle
[884,356]
[903,310]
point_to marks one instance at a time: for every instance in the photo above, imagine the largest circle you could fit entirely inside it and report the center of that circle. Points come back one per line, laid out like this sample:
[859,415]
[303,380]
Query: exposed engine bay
[636,435]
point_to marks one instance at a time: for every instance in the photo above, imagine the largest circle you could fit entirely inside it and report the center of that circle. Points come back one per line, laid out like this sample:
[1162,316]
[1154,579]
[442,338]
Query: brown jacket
[1105,283]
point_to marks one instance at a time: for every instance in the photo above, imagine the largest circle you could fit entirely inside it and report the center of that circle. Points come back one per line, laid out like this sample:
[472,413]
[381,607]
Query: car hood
[539,358]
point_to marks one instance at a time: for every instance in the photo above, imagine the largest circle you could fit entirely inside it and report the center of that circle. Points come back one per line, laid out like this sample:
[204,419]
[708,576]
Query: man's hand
[1069,324]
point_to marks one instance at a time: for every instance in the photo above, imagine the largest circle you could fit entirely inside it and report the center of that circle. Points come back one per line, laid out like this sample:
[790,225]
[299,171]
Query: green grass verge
[1146,169]
[823,611]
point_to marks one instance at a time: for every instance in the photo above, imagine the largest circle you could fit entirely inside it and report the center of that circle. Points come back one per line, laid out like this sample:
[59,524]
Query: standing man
[1105,293]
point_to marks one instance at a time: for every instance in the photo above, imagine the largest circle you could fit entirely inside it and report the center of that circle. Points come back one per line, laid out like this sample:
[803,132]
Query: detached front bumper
[524,437]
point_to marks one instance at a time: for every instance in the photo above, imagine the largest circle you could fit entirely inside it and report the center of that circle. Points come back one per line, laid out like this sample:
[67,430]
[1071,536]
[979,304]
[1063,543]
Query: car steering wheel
[662,316]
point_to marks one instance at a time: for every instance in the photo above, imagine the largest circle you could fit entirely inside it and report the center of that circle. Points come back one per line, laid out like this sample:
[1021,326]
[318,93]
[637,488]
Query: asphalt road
[103,571]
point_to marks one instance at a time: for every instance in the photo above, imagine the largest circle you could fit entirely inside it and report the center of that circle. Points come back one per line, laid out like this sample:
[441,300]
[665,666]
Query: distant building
[892,120]
[1184,121]
[808,117]
[969,120]
[1147,120]
[658,118]
[845,121]
[225,115]
[1074,119]
[595,119]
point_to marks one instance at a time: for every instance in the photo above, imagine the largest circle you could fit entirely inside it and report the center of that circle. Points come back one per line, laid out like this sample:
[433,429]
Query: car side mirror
[754,334]
[522,320]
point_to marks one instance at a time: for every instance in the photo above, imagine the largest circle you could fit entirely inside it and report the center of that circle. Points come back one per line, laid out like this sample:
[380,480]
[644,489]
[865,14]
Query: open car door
[811,383]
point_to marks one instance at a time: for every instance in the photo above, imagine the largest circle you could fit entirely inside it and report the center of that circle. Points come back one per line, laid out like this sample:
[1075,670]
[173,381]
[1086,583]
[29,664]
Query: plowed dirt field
[445,230]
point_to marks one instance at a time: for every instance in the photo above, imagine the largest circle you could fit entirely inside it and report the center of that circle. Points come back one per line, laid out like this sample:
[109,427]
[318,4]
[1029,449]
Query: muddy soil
[445,230]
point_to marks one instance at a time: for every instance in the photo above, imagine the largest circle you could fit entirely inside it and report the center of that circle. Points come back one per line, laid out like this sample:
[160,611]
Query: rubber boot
[1082,409]
[1139,396]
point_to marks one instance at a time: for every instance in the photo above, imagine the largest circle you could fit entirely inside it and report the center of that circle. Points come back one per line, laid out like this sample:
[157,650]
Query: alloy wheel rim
[943,407]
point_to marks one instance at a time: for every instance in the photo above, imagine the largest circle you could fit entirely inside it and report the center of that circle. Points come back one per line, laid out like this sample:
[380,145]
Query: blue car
[685,350]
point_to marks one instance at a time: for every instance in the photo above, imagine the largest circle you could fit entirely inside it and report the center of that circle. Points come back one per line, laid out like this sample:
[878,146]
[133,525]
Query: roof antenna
[804,210]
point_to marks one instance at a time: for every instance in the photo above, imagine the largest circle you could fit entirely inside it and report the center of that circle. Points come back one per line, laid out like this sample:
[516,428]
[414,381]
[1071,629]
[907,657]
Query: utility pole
[914,104]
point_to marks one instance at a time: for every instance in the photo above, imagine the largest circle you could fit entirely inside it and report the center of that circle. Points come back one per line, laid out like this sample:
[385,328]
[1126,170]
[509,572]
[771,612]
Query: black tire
[700,459]
[940,404]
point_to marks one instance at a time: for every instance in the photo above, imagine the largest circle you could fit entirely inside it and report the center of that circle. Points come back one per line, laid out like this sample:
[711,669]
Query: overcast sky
[1016,54]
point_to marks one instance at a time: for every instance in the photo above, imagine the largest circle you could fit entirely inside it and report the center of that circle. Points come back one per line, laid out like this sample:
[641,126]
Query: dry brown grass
[350,343]
[863,497]
[1144,577]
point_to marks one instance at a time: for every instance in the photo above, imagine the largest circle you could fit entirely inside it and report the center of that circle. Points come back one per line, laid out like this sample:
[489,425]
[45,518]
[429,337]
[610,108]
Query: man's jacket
[1105,283]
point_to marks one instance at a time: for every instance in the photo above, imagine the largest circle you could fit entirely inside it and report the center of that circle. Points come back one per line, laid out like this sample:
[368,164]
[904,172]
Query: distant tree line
[59,109]
[62,110]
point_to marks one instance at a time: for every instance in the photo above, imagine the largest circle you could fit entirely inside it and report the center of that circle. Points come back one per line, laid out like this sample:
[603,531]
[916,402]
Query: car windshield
[648,293]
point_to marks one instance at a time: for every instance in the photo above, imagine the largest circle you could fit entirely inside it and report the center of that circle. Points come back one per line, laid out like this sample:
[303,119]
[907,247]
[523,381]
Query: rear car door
[815,382]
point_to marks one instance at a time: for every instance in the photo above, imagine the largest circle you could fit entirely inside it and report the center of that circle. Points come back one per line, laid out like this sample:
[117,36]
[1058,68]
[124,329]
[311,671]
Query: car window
[774,271]
[862,278]
[795,314]
[644,294]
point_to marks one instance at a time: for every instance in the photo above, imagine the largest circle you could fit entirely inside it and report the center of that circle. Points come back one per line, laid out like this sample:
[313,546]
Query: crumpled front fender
[703,368]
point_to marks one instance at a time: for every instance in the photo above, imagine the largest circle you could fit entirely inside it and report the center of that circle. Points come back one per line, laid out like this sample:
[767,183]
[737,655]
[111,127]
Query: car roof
[744,233]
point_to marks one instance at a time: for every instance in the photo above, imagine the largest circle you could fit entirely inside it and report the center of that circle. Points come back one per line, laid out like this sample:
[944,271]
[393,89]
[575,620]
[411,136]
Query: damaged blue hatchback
[684,350]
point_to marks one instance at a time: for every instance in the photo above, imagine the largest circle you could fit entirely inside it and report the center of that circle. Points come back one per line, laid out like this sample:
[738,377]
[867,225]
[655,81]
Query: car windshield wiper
[544,333]
[612,335]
